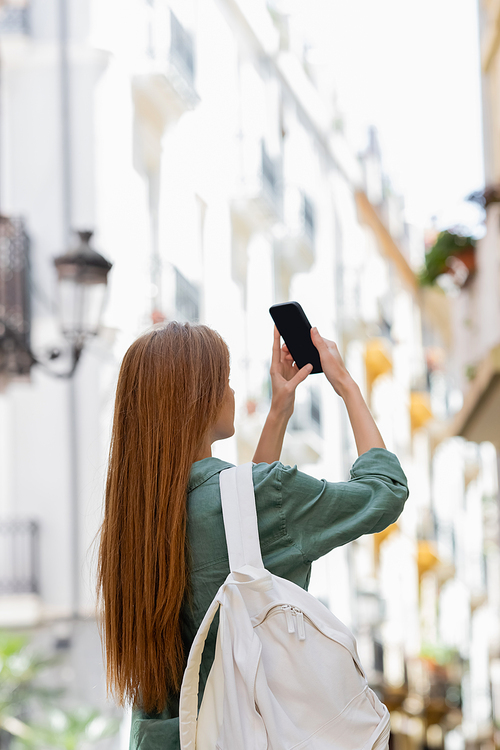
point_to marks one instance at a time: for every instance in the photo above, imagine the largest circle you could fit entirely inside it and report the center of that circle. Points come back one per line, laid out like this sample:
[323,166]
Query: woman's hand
[285,377]
[332,363]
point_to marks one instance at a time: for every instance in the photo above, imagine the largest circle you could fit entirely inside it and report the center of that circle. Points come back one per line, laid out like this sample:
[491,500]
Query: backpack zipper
[291,613]
[287,609]
[300,623]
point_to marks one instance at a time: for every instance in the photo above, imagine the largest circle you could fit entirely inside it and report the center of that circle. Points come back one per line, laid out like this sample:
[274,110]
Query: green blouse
[300,519]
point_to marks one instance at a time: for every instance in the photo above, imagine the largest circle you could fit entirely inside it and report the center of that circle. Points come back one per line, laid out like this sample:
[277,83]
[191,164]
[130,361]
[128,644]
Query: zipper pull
[289,619]
[300,624]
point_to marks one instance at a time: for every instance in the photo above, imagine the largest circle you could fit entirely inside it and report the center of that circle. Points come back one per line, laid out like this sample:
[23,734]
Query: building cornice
[368,215]
[479,418]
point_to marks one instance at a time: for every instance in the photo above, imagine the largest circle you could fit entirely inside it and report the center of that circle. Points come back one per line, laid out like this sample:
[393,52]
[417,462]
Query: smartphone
[295,329]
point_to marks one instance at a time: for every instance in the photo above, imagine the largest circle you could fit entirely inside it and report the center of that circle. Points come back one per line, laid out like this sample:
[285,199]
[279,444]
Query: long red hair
[170,390]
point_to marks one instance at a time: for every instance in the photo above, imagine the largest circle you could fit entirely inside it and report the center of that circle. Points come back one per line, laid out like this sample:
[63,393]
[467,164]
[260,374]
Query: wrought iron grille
[14,19]
[181,49]
[19,557]
[15,310]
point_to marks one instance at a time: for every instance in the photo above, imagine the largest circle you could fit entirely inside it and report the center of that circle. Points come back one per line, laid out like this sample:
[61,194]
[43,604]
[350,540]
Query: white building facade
[196,144]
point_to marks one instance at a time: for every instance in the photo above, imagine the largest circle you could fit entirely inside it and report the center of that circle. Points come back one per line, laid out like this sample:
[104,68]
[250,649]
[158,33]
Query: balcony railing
[19,557]
[258,195]
[165,83]
[14,298]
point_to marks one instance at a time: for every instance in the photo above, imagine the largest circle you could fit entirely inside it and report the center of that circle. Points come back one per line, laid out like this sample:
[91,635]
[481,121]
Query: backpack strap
[188,701]
[240,517]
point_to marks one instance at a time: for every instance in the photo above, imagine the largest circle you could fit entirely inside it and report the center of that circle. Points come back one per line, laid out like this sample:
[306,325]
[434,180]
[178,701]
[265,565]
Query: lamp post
[82,281]
[82,276]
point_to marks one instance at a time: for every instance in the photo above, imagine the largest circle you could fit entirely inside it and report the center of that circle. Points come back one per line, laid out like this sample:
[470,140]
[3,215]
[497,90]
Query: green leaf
[20,692]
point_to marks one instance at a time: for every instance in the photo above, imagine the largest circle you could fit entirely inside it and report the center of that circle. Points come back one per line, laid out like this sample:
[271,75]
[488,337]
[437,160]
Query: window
[269,176]
[271,181]
[187,299]
[315,410]
[307,412]
[181,48]
[19,557]
[14,18]
[308,217]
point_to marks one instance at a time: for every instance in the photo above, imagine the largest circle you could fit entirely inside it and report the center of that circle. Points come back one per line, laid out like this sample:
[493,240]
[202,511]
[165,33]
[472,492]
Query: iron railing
[19,557]
[15,305]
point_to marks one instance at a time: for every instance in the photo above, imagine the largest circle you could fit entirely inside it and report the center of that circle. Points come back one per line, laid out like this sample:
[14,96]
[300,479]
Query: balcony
[435,677]
[297,247]
[304,440]
[420,409]
[258,201]
[167,80]
[479,417]
[307,413]
[19,566]
[15,361]
[378,360]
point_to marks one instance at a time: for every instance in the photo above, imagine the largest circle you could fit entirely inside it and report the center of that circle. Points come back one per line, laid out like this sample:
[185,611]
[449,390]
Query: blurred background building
[206,157]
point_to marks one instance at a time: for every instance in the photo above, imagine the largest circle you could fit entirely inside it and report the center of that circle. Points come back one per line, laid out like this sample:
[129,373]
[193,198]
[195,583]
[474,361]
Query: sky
[411,69]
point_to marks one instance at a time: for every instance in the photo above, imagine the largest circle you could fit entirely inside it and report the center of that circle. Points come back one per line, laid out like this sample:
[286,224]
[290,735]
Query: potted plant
[450,246]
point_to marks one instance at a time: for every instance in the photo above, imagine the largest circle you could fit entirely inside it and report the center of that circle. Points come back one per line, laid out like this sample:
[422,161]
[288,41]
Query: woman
[163,552]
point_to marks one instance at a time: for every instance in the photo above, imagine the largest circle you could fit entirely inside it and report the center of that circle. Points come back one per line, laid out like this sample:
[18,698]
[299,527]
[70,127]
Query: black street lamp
[83,278]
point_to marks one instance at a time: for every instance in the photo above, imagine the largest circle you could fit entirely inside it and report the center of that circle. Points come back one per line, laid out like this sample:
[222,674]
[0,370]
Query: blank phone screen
[295,329]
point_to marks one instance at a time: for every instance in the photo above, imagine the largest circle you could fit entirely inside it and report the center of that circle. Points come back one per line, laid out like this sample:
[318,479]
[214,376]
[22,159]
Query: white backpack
[286,672]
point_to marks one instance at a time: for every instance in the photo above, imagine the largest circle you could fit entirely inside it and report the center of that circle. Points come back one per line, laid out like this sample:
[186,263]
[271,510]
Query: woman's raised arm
[366,432]
[285,377]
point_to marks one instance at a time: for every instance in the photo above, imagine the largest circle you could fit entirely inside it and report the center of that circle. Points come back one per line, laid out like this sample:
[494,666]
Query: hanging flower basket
[452,253]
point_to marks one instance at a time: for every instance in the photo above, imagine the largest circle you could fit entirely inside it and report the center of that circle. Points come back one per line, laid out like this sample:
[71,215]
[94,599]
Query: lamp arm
[76,350]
